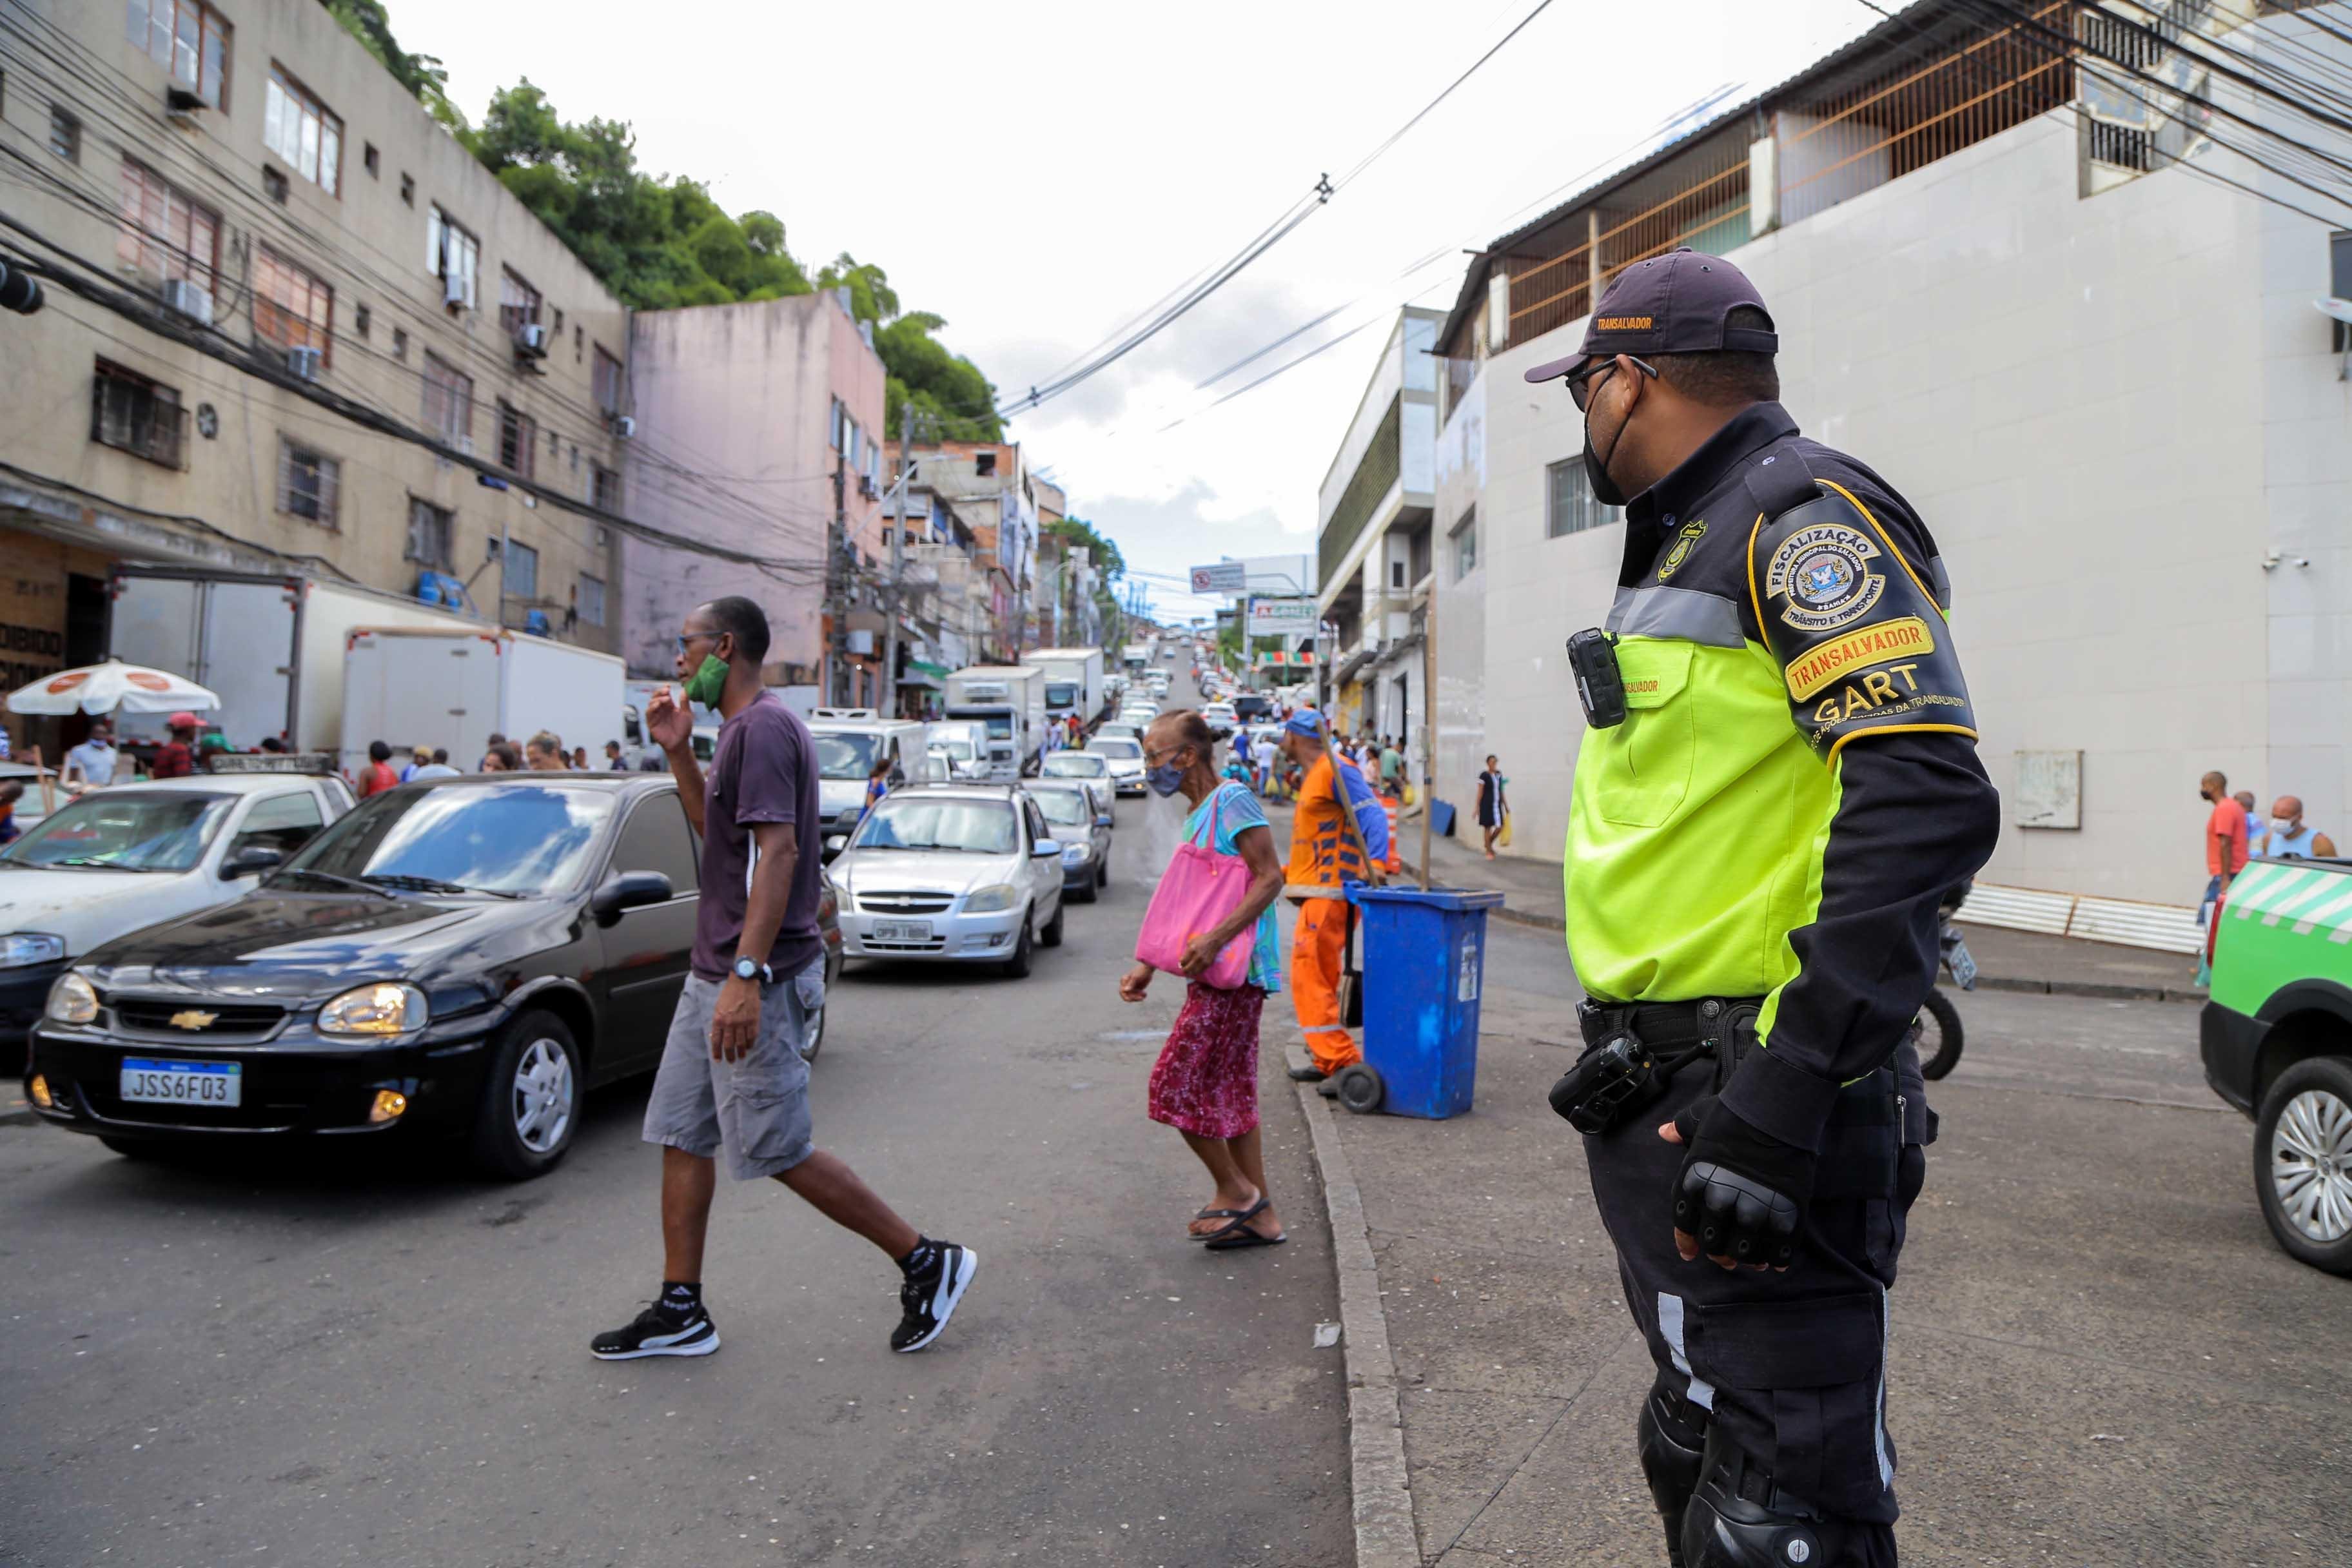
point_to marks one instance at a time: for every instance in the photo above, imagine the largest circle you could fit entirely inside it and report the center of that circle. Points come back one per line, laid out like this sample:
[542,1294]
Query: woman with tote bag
[1212,920]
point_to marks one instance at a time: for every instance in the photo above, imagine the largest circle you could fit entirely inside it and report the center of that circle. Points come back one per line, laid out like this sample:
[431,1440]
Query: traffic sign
[1225,577]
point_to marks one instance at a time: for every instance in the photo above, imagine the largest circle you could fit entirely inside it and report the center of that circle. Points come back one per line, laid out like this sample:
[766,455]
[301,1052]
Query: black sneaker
[659,1330]
[932,1296]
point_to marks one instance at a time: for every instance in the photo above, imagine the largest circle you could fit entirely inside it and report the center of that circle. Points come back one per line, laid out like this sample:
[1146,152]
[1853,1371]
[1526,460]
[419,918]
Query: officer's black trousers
[1792,1366]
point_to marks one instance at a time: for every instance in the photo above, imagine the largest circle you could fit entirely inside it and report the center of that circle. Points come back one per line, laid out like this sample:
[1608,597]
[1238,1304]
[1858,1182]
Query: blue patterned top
[1234,809]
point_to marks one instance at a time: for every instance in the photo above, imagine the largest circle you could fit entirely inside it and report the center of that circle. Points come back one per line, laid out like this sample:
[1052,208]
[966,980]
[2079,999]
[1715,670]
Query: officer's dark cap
[1674,304]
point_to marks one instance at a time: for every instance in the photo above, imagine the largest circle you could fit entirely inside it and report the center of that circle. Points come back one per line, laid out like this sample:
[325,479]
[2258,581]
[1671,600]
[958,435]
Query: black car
[460,956]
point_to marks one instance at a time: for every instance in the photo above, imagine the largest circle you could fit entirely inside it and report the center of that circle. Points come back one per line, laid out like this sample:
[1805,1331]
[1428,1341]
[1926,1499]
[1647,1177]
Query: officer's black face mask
[1605,490]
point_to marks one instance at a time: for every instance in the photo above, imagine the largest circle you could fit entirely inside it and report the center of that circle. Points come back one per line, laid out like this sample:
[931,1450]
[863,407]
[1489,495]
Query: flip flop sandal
[1234,1240]
[1237,1224]
[1190,1234]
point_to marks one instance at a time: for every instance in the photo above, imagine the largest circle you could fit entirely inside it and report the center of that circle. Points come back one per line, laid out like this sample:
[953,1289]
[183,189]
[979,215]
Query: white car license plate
[902,931]
[182,1083]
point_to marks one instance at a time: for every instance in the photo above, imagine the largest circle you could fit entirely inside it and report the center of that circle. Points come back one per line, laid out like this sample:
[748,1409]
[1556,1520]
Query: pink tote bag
[1199,888]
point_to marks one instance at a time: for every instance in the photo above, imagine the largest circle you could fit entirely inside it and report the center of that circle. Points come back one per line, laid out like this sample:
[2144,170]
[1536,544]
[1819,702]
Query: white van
[849,741]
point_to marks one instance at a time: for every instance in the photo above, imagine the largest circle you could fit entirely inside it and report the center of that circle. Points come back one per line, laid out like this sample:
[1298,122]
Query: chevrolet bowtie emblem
[194,1018]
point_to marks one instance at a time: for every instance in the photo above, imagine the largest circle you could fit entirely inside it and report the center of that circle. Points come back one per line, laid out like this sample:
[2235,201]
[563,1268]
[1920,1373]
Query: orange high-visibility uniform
[1322,854]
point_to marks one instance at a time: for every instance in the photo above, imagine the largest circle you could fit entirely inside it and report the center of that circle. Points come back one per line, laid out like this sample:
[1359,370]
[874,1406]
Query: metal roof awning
[923,672]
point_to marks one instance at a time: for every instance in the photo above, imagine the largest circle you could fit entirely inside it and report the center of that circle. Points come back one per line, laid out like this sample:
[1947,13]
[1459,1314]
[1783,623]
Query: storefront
[52,617]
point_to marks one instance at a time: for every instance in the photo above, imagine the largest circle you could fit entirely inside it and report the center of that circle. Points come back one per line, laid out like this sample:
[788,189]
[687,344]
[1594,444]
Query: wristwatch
[745,969]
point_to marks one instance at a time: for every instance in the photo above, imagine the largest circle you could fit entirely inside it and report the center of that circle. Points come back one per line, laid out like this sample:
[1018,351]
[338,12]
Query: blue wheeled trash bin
[1424,957]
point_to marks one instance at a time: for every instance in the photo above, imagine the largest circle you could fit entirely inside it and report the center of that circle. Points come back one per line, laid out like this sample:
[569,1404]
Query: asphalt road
[299,1359]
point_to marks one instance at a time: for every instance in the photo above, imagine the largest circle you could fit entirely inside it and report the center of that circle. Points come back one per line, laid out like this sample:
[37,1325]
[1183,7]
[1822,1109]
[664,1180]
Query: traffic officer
[1779,782]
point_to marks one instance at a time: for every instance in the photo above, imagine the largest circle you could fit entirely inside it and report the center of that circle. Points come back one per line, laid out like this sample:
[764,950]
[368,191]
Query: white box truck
[406,685]
[1009,700]
[1073,681]
[270,646]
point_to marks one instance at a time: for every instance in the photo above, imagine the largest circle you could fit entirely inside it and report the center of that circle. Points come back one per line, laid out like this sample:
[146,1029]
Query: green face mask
[708,682]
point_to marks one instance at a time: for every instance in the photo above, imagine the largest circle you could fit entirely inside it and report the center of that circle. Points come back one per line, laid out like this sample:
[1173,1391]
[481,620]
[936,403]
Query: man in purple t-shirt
[731,1072]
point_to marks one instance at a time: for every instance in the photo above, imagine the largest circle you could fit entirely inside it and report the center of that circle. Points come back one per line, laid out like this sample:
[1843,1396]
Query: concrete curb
[1379,1491]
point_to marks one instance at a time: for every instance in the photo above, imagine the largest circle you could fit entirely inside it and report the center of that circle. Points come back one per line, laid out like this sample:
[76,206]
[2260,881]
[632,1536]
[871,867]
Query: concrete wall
[2106,408]
[368,245]
[744,392]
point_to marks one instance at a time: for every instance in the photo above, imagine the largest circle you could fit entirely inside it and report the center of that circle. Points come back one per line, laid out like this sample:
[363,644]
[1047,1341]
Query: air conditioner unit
[182,100]
[866,488]
[188,299]
[530,338]
[304,362]
[623,425]
[453,288]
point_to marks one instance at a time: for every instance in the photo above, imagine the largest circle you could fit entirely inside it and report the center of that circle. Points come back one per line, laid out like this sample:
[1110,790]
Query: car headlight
[988,900]
[1076,854]
[21,948]
[381,1009]
[71,1000]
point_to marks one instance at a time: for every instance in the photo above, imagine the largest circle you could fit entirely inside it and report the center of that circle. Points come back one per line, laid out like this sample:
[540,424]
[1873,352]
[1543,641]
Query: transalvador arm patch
[1861,640]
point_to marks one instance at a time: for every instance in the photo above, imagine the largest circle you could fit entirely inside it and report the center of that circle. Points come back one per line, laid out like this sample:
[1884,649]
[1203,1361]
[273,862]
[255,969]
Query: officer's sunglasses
[1581,383]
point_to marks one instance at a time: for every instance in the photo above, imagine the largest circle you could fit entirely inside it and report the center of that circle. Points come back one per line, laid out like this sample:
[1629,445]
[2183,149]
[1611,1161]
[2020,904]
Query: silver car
[952,873]
[1125,756]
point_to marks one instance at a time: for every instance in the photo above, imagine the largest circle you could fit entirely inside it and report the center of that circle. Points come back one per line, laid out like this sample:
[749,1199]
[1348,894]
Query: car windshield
[466,837]
[1061,694]
[1066,807]
[840,756]
[916,822]
[1115,746]
[1075,765]
[125,830]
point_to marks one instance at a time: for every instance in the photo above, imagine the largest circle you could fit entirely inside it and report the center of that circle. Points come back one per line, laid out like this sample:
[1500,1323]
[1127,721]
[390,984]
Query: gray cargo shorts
[756,1106]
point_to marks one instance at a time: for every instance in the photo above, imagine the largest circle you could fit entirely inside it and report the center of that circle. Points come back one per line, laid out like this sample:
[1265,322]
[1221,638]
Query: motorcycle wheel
[1939,1035]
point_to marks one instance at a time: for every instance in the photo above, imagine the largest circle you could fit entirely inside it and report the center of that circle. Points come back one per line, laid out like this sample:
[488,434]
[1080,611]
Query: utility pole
[897,525]
[836,597]
[1428,727]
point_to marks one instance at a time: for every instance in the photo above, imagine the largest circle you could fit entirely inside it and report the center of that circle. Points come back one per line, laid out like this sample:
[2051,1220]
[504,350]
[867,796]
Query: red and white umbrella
[109,688]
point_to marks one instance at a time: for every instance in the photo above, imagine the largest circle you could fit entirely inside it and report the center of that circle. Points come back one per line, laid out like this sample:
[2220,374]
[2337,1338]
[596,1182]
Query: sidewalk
[2006,960]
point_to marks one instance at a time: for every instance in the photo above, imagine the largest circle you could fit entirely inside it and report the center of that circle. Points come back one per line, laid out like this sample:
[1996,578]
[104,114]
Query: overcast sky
[1039,173]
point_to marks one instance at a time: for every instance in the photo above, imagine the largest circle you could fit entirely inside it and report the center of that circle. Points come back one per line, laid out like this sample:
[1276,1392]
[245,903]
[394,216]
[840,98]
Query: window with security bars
[608,490]
[1571,506]
[522,572]
[188,39]
[292,306]
[430,531]
[591,600]
[517,441]
[302,131]
[519,302]
[608,382]
[133,413]
[308,483]
[65,135]
[448,401]
[165,233]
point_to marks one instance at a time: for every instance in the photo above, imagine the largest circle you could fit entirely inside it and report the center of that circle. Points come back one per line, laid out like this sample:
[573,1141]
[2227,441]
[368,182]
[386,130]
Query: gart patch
[1833,661]
[1823,573]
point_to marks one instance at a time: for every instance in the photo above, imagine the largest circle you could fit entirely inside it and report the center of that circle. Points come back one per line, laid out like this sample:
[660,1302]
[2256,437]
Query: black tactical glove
[1742,1192]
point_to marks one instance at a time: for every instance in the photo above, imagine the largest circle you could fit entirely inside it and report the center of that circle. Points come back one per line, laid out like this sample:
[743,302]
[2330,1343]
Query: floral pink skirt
[1206,1079]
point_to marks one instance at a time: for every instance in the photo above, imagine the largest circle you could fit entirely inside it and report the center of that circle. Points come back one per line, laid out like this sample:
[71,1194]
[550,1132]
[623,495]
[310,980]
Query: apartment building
[2024,288]
[249,179]
[1376,534]
[987,492]
[752,423]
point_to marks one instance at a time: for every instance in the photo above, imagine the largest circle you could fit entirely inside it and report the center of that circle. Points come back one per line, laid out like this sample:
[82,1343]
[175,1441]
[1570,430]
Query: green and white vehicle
[2277,1042]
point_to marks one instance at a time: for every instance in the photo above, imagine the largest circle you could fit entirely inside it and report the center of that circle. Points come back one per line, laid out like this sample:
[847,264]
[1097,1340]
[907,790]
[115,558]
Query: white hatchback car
[131,856]
[954,873]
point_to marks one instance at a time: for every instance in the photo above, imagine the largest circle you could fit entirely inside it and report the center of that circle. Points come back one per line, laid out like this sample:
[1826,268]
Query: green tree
[1109,563]
[422,75]
[946,390]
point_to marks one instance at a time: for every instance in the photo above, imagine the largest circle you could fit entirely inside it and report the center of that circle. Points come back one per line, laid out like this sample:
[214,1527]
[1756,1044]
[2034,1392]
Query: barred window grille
[1573,507]
[519,302]
[2123,146]
[134,415]
[517,441]
[449,400]
[308,483]
[292,307]
[429,530]
[608,489]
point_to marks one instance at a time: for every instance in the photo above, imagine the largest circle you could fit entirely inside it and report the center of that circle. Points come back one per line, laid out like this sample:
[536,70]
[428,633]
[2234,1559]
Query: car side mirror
[627,891]
[251,860]
[1045,847]
[1104,820]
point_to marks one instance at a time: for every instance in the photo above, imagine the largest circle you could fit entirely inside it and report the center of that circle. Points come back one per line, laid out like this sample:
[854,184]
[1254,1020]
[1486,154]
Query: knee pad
[1672,1447]
[1736,1517]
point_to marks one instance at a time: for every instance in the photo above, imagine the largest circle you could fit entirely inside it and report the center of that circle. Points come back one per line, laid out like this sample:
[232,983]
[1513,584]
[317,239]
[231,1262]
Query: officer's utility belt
[1633,1051]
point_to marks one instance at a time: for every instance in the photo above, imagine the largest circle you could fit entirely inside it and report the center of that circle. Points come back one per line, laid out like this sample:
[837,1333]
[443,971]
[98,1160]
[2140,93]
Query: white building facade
[2099,378]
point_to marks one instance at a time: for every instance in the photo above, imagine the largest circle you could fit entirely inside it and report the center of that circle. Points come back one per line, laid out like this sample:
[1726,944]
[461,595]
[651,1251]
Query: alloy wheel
[2311,1165]
[542,1095]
